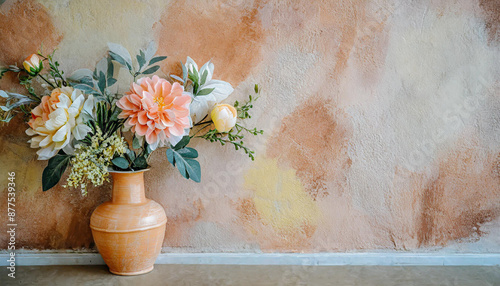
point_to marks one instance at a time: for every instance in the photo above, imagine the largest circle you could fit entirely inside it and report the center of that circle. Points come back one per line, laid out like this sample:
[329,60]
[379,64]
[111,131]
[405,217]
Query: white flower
[202,104]
[56,121]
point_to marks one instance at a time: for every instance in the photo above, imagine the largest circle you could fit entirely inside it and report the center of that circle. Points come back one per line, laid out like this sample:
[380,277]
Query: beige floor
[257,275]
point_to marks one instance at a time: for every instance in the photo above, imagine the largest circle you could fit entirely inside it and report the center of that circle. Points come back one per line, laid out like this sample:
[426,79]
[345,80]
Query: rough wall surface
[382,129]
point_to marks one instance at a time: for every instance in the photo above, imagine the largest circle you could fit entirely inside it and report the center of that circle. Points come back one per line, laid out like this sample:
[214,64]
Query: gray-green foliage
[145,60]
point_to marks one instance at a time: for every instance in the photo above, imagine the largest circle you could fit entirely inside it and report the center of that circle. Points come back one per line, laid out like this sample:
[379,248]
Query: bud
[33,64]
[224,117]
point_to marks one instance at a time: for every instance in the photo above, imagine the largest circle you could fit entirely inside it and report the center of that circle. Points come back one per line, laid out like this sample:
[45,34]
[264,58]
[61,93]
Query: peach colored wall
[381,119]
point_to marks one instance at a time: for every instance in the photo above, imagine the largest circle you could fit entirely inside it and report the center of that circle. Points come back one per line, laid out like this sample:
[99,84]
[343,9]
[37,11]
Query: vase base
[147,270]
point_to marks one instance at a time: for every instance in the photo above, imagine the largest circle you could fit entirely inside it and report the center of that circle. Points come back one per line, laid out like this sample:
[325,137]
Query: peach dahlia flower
[157,110]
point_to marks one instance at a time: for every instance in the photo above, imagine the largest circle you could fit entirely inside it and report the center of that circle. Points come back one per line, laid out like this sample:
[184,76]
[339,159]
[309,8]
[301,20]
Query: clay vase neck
[128,188]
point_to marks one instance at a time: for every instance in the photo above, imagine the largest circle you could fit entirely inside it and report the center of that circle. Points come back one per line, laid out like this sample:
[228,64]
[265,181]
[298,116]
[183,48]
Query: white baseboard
[325,259]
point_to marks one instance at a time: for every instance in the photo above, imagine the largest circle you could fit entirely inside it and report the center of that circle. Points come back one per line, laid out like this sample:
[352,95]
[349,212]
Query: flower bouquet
[83,122]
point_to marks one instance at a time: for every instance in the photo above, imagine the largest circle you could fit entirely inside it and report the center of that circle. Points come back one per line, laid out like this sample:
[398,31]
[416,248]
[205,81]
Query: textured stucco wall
[382,129]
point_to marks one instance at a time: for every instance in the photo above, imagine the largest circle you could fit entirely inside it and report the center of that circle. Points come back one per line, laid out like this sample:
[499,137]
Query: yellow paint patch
[15,158]
[279,197]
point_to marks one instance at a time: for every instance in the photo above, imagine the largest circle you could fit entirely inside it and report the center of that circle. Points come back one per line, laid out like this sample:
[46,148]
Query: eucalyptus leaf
[131,154]
[183,143]
[135,143]
[149,150]
[188,152]
[120,162]
[140,162]
[188,167]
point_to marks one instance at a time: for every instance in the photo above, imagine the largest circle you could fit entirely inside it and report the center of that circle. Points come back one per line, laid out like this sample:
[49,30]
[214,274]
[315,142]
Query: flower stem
[199,130]
[46,81]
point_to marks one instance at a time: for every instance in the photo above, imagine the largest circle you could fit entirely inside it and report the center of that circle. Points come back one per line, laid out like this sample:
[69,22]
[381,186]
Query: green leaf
[84,87]
[3,94]
[102,82]
[111,68]
[151,70]
[111,81]
[184,72]
[204,77]
[176,78]
[7,120]
[141,59]
[117,51]
[189,168]
[148,149]
[156,59]
[55,169]
[194,170]
[131,154]
[3,70]
[101,66]
[140,162]
[120,60]
[79,74]
[194,76]
[170,156]
[135,143]
[183,143]
[120,162]
[150,51]
[256,88]
[205,91]
[188,152]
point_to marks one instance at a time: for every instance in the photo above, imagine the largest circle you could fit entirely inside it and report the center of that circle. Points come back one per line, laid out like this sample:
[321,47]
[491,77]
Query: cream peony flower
[56,121]
[201,105]
[224,117]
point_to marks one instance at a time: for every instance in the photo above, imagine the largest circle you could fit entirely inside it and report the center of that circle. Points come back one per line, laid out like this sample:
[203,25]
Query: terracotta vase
[129,229]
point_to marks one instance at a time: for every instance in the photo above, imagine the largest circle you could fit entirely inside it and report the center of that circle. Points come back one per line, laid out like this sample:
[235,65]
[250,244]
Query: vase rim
[128,172]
